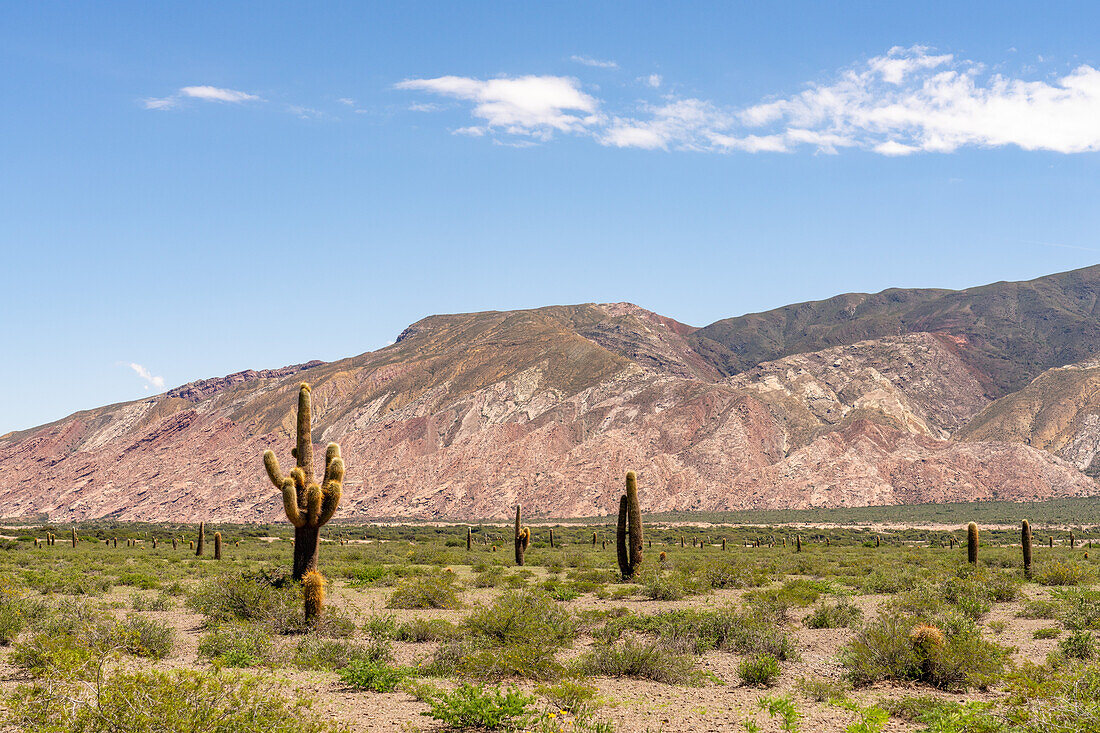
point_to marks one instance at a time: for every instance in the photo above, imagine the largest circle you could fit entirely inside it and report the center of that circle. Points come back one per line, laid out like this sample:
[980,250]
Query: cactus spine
[628,537]
[313,594]
[972,543]
[522,538]
[1025,544]
[308,506]
[217,545]
[201,543]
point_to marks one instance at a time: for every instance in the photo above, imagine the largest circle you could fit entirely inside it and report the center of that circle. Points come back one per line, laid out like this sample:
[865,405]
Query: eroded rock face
[1058,412]
[467,414]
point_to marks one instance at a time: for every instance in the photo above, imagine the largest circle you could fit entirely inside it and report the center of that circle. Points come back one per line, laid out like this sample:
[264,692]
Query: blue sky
[200,188]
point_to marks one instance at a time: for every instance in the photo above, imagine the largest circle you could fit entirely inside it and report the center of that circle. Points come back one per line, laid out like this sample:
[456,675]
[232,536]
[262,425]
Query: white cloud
[535,106]
[910,100]
[205,93]
[597,63]
[346,101]
[144,373]
[906,101]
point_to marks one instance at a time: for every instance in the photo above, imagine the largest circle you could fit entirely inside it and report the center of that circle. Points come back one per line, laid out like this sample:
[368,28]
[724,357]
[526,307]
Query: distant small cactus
[928,641]
[662,557]
[202,539]
[1025,545]
[1072,540]
[551,536]
[174,544]
[972,543]
[469,538]
[74,537]
[217,545]
[798,543]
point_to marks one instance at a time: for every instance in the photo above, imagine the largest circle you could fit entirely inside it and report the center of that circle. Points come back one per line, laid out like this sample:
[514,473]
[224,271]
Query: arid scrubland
[861,630]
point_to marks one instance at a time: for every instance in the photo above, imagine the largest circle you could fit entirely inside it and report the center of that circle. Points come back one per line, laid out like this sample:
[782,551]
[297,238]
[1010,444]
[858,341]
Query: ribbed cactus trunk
[308,506]
[972,543]
[628,534]
[200,543]
[217,545]
[1025,544]
[522,538]
[74,537]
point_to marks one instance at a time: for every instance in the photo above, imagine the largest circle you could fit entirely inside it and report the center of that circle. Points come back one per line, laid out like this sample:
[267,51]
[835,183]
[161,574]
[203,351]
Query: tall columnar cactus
[972,543]
[593,539]
[1072,540]
[798,543]
[308,506]
[217,545]
[1050,541]
[74,537]
[522,538]
[313,594]
[201,542]
[154,543]
[469,539]
[1025,543]
[628,536]
[174,543]
[551,536]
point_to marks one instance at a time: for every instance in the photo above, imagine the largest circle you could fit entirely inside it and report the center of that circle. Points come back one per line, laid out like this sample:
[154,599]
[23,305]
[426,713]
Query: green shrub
[1047,632]
[1057,572]
[428,591]
[571,696]
[639,660]
[842,615]
[58,656]
[143,602]
[317,652]
[1039,608]
[473,707]
[156,701]
[759,669]
[519,618]
[237,645]
[956,659]
[143,637]
[1078,645]
[374,675]
[426,629]
[15,607]
[262,598]
[1078,608]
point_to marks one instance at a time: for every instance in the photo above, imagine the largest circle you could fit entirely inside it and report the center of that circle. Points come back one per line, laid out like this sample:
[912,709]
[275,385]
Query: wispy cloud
[204,93]
[144,373]
[530,106]
[597,63]
[906,101]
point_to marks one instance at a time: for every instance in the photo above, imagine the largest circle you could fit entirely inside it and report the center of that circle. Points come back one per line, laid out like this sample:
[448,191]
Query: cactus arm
[290,503]
[332,456]
[304,450]
[330,499]
[271,463]
[314,498]
[332,488]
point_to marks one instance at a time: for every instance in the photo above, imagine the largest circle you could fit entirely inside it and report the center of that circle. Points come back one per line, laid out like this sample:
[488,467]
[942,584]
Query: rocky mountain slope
[1012,330]
[467,414]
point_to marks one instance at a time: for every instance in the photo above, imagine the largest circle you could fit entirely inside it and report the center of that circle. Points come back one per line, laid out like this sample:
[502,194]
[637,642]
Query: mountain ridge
[466,414]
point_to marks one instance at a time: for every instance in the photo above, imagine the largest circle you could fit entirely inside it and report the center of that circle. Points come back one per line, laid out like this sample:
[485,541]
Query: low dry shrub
[427,591]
